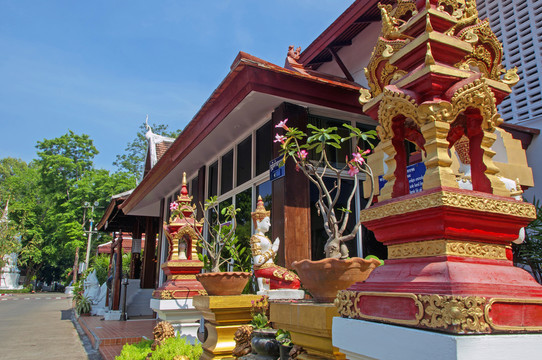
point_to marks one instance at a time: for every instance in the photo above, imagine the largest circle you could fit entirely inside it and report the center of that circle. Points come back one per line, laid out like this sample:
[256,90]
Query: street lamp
[90,230]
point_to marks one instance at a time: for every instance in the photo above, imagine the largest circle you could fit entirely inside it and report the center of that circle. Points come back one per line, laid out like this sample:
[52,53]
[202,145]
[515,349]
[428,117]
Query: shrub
[177,346]
[169,348]
[137,351]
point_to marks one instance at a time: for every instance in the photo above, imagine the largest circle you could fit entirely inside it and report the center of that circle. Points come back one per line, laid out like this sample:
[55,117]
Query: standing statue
[92,287]
[268,275]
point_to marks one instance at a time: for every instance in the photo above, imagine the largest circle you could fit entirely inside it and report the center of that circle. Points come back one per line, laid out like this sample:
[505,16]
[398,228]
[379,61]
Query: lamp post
[90,230]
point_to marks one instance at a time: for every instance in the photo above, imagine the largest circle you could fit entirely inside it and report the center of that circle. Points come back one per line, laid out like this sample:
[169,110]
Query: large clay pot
[264,343]
[224,283]
[323,278]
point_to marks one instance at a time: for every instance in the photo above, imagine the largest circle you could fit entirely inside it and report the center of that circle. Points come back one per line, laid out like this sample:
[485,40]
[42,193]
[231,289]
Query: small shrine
[435,80]
[173,300]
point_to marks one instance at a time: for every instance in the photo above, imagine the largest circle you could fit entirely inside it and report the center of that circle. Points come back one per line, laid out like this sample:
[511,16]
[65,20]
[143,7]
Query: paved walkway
[39,326]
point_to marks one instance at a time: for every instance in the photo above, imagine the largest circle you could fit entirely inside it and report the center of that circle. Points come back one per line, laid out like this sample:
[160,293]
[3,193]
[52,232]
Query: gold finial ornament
[260,212]
[184,178]
[429,59]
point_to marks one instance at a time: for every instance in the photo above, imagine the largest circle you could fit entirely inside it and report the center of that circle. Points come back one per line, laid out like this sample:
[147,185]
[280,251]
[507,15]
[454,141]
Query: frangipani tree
[294,146]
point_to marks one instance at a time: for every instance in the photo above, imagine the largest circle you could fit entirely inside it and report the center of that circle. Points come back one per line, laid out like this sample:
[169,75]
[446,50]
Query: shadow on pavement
[66,314]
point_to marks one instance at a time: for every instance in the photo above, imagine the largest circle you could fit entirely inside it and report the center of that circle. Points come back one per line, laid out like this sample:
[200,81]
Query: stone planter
[323,278]
[224,283]
[264,343]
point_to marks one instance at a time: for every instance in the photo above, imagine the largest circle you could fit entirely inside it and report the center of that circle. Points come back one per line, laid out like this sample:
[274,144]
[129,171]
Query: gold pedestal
[223,316]
[309,325]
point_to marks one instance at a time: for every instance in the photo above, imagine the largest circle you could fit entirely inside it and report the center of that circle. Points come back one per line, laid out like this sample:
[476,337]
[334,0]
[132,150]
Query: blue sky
[98,67]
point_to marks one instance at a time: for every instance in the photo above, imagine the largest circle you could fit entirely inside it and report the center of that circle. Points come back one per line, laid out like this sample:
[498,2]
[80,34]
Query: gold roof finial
[429,59]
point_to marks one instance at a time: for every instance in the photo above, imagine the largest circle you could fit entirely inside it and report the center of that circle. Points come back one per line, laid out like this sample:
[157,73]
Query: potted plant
[82,306]
[219,248]
[325,277]
[285,341]
[263,336]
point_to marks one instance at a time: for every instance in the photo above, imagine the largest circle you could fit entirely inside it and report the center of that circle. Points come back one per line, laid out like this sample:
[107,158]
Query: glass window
[318,233]
[337,157]
[213,180]
[168,210]
[244,161]
[226,183]
[264,147]
[194,184]
[222,205]
[265,191]
[243,201]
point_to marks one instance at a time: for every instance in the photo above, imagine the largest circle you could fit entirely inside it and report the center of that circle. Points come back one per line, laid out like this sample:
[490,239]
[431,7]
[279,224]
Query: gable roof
[248,74]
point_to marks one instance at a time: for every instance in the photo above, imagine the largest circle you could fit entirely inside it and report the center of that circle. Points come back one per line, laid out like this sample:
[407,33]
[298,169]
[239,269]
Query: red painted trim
[340,25]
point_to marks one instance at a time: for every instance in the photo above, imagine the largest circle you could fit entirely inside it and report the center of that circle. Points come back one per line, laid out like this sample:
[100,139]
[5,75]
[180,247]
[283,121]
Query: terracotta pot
[323,278]
[224,283]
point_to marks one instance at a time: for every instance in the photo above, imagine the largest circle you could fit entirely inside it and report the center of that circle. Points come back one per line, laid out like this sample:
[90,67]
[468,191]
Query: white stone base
[283,294]
[181,314]
[366,340]
[112,315]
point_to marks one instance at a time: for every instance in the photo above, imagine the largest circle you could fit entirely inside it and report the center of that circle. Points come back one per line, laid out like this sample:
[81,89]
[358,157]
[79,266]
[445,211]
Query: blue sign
[275,170]
[415,173]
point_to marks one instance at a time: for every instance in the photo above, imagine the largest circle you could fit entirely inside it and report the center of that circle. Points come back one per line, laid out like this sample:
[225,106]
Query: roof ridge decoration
[291,60]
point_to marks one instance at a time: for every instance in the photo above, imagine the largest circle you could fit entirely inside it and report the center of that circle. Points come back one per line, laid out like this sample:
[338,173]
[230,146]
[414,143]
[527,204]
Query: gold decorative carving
[447,248]
[489,320]
[379,71]
[450,199]
[404,10]
[487,51]
[465,314]
[458,314]
[347,306]
[183,277]
[365,96]
[511,77]
[166,295]
[463,11]
[202,292]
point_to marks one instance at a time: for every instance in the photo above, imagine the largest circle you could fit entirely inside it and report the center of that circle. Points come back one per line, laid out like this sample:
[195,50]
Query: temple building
[227,149]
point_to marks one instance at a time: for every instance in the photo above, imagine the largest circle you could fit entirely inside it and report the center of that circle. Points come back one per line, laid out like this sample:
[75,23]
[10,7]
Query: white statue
[92,287]
[465,180]
[10,274]
[98,307]
[268,275]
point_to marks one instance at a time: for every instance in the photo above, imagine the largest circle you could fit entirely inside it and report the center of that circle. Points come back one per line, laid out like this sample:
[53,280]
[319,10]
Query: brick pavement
[109,336]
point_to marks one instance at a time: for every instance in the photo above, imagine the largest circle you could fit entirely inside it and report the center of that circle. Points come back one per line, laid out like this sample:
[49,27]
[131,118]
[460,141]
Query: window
[337,157]
[264,147]
[318,233]
[226,183]
[244,161]
[213,180]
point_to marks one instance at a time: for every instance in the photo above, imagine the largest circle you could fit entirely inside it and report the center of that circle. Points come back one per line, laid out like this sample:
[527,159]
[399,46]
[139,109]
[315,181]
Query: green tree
[132,161]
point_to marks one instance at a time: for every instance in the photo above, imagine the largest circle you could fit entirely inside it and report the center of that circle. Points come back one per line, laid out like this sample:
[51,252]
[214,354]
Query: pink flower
[173,206]
[282,124]
[366,152]
[352,170]
[302,154]
[358,158]
[280,138]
